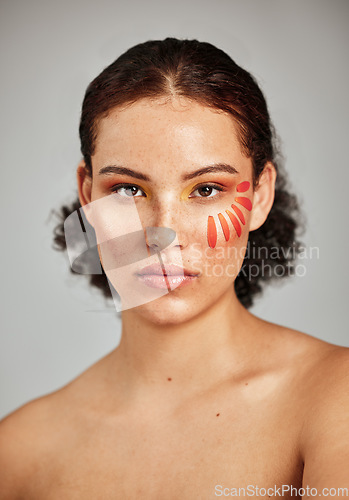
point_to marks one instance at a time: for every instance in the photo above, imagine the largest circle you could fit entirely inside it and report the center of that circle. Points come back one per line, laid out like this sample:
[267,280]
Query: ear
[84,181]
[263,197]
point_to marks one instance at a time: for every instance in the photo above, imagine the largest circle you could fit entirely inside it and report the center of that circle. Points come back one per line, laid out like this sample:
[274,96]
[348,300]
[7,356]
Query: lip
[165,282]
[169,270]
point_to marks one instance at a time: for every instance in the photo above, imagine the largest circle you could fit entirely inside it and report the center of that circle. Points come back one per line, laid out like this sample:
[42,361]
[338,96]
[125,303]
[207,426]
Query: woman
[180,183]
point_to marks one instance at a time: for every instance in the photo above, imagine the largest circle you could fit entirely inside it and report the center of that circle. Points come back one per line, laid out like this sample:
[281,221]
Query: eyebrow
[214,168]
[114,169]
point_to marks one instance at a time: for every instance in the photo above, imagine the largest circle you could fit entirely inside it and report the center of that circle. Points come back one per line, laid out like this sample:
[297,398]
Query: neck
[157,359]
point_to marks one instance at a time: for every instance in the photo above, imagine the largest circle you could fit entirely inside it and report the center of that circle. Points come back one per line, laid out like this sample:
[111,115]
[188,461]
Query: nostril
[159,238]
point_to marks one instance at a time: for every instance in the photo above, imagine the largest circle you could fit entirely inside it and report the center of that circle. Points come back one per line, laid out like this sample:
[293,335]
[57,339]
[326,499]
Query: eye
[128,190]
[206,190]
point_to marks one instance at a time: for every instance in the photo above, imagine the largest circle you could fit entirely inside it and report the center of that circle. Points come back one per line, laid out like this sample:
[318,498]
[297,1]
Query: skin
[200,392]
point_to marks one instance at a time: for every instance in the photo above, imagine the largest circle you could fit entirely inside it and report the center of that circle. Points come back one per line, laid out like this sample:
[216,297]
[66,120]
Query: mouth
[172,276]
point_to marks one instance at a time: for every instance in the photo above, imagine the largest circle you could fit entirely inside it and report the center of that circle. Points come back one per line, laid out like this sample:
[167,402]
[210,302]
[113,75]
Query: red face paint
[235,222]
[225,226]
[211,225]
[239,213]
[211,232]
[245,202]
[243,186]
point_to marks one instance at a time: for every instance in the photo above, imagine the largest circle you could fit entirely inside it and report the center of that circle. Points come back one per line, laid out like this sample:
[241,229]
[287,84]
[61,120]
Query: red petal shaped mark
[211,232]
[239,213]
[235,222]
[245,202]
[243,186]
[225,226]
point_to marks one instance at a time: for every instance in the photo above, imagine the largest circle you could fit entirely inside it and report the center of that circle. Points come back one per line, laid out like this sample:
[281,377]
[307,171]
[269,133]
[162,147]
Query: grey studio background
[53,325]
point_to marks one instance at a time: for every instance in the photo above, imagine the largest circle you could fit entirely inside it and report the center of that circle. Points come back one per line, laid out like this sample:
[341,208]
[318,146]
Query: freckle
[246,383]
[217,414]
[169,378]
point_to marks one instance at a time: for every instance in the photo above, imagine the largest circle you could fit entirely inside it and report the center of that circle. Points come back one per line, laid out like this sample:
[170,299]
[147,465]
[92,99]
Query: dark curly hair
[203,73]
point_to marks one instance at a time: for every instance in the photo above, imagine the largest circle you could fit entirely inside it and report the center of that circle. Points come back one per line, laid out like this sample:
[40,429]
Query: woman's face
[169,146]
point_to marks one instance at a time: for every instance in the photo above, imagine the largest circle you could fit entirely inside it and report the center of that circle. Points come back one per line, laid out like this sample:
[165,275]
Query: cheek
[229,222]
[119,232]
[223,236]
[221,264]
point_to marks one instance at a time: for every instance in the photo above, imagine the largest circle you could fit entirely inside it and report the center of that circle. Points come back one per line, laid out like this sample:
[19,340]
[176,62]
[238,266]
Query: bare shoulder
[31,438]
[318,369]
[325,381]
[309,351]
[319,373]
[34,436]
[324,364]
[323,403]
[24,433]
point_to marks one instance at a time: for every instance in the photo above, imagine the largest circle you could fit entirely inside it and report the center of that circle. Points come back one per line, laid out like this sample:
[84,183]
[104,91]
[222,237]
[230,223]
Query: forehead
[171,131]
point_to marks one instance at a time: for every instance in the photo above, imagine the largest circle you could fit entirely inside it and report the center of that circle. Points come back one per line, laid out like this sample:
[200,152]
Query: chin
[168,310]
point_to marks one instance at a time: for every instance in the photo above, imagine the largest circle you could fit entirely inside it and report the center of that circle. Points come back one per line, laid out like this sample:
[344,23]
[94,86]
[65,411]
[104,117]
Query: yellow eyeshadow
[187,192]
[146,192]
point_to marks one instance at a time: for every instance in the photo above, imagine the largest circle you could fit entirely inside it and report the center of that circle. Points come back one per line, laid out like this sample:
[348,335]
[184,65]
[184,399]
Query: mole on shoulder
[169,378]
[217,414]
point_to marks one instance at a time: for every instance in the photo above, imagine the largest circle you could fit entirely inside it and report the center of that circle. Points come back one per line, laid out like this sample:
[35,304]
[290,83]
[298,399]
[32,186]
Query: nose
[165,225]
[158,238]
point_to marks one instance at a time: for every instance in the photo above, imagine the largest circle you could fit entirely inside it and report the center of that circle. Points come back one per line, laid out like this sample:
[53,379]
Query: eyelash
[213,186]
[124,185]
